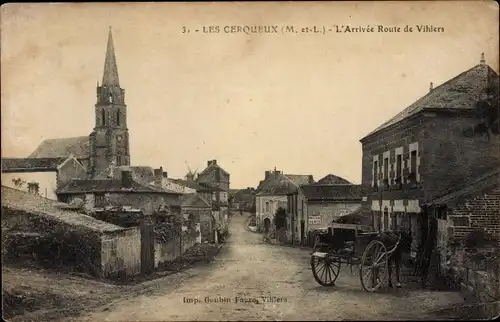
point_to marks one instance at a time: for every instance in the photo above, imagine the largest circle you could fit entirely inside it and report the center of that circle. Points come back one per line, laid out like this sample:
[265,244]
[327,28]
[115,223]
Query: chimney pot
[126,178]
[431,87]
[483,61]
[33,187]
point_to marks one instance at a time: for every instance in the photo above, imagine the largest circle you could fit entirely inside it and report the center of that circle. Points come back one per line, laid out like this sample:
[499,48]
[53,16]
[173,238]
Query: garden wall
[166,251]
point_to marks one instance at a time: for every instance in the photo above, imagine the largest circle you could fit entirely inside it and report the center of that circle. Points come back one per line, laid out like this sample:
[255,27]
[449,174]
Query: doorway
[267,225]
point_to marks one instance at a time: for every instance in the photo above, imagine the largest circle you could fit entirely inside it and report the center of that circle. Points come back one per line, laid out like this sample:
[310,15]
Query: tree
[280,218]
[487,109]
[18,182]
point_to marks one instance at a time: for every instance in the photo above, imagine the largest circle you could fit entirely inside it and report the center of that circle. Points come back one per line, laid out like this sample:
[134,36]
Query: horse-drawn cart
[354,245]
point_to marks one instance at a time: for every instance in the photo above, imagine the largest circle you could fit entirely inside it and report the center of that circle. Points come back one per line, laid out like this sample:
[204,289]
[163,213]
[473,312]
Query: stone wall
[169,251]
[476,272]
[121,253]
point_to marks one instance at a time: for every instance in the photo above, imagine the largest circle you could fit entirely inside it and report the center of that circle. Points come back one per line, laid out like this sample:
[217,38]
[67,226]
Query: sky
[299,102]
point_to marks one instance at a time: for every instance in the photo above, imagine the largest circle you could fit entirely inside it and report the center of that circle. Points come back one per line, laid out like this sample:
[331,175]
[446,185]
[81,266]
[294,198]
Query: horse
[402,240]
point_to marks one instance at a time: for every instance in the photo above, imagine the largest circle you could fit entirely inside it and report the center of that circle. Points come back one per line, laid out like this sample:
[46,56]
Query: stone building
[428,148]
[271,195]
[315,206]
[218,181]
[43,176]
[193,204]
[123,190]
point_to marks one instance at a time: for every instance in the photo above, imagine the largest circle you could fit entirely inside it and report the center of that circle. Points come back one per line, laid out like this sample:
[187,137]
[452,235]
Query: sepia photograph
[250,161]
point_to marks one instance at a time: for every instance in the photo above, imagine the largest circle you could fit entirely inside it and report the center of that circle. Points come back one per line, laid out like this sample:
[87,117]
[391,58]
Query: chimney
[158,173]
[127,178]
[33,188]
[165,175]
[267,174]
[431,87]
[482,61]
[209,162]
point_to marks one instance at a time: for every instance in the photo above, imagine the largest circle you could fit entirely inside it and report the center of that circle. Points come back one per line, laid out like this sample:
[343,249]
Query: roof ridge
[408,109]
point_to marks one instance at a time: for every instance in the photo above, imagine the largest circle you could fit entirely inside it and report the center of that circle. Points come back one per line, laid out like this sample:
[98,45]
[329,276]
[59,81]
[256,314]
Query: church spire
[110,76]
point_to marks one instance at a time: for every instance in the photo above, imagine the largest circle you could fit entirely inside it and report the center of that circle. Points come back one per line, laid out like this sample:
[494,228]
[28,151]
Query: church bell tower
[109,142]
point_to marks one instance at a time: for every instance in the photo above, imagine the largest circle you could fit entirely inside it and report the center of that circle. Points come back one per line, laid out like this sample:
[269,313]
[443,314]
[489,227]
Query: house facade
[425,150]
[126,191]
[193,204]
[316,206]
[217,180]
[242,199]
[271,195]
[42,176]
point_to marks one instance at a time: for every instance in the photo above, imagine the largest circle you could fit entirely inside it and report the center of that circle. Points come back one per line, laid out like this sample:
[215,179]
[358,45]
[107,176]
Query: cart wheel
[374,266]
[325,269]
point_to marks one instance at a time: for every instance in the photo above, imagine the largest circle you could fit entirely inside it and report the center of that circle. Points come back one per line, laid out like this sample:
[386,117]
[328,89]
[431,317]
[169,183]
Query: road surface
[252,280]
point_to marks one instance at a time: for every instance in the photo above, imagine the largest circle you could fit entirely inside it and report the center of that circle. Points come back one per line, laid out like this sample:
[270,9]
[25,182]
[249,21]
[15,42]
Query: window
[386,168]
[103,117]
[267,206]
[375,174]
[398,166]
[414,161]
[117,117]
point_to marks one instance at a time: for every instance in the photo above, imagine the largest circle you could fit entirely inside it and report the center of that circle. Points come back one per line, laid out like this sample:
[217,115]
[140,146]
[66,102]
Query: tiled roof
[194,200]
[208,186]
[339,192]
[82,186]
[20,164]
[300,179]
[481,184]
[246,195]
[36,205]
[143,175]
[189,184]
[460,92]
[63,147]
[282,184]
[333,179]
[211,168]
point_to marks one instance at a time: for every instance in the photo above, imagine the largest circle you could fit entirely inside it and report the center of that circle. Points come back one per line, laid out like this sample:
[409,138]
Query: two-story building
[218,181]
[424,150]
[271,195]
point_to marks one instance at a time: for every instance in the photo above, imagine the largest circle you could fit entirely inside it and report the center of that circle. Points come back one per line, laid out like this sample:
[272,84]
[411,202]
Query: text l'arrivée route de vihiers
[279,29]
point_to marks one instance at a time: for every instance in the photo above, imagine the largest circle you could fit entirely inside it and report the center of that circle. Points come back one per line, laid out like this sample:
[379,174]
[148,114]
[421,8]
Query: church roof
[460,93]
[110,75]
[31,164]
[63,147]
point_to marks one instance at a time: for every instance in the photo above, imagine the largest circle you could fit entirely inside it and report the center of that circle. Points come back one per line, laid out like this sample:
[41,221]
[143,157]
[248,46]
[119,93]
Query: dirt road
[251,280]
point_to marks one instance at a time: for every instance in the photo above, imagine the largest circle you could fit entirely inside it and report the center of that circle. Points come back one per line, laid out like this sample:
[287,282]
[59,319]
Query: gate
[147,246]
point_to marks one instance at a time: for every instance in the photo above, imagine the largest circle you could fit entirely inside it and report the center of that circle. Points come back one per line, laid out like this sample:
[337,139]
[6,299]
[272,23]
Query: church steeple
[110,76]
[109,140]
